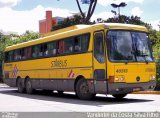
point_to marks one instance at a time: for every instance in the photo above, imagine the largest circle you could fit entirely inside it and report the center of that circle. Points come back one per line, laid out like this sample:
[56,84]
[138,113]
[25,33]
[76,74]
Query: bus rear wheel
[82,90]
[119,96]
[28,85]
[20,85]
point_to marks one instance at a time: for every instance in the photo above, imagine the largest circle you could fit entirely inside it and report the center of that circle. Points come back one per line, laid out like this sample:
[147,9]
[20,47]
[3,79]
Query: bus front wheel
[20,85]
[82,90]
[119,96]
[28,85]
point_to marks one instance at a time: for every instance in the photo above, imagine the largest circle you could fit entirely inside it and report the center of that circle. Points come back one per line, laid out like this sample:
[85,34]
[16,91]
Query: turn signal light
[116,79]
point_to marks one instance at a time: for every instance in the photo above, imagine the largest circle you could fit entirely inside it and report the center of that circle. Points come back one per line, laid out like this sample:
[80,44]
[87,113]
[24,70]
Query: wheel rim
[84,88]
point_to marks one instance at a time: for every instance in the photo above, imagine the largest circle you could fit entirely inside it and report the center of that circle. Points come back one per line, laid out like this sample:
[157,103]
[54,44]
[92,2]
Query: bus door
[99,63]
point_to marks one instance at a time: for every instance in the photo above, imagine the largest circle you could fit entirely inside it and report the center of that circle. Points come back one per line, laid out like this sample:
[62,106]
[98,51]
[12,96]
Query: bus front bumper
[124,88]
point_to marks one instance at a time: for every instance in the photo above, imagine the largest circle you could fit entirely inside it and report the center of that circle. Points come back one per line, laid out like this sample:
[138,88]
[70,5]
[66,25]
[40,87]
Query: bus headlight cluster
[119,79]
[152,77]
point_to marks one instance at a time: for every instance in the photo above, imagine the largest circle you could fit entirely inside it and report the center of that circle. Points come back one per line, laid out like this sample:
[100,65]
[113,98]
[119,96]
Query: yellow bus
[105,58]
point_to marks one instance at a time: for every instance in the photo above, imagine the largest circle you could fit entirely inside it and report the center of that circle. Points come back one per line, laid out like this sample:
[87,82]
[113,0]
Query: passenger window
[11,56]
[40,49]
[17,55]
[35,51]
[81,43]
[77,44]
[68,46]
[99,47]
[84,42]
[6,56]
[51,47]
[22,53]
[61,47]
[46,53]
[28,52]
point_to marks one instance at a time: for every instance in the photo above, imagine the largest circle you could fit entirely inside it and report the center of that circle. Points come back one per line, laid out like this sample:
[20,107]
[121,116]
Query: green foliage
[27,36]
[127,20]
[156,53]
[75,20]
[8,40]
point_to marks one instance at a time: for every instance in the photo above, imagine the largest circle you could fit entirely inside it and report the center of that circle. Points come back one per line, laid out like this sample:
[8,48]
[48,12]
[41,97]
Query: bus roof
[49,36]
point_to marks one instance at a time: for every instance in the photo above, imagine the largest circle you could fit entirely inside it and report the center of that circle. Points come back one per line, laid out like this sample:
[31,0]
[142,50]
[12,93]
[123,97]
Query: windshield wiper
[144,56]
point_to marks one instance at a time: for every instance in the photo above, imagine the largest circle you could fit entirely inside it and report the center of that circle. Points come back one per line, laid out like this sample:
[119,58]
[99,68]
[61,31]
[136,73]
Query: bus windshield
[128,46]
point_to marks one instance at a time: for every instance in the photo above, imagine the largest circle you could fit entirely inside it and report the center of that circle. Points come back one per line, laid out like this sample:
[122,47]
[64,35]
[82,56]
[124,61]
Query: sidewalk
[147,92]
[2,85]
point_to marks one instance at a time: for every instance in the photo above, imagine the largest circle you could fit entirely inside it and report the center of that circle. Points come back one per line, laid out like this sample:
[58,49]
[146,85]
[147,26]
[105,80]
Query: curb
[147,92]
[3,85]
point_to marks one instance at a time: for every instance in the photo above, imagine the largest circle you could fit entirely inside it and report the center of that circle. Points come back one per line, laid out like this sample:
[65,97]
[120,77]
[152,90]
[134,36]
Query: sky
[17,16]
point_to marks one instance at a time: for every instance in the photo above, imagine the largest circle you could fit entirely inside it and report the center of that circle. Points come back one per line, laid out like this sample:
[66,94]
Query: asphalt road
[12,101]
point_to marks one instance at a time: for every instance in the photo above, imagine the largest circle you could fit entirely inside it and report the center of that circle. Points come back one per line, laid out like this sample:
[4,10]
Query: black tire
[28,85]
[20,85]
[119,96]
[48,91]
[82,90]
[60,92]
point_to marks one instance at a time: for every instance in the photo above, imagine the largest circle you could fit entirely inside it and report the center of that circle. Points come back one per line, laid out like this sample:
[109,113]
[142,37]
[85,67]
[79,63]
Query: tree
[8,40]
[70,21]
[92,4]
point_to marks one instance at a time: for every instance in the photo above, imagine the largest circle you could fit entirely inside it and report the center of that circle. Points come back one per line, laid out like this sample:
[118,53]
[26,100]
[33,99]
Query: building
[46,25]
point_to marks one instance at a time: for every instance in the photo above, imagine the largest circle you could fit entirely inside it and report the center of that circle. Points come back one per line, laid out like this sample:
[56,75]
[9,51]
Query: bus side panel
[55,73]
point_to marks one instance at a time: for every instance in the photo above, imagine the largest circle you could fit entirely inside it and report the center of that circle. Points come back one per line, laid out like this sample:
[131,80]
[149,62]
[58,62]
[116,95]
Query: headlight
[119,79]
[152,77]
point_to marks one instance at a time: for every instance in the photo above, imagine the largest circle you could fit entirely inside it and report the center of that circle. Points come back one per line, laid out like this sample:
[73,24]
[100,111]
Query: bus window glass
[17,55]
[11,55]
[143,52]
[28,52]
[68,45]
[84,42]
[60,47]
[51,47]
[99,47]
[121,46]
[77,44]
[35,51]
[40,50]
[22,53]
[128,46]
[45,52]
[6,56]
